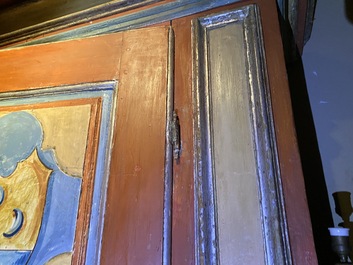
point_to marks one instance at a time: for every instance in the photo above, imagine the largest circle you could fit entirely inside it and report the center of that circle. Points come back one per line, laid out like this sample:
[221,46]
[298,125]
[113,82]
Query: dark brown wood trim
[84,211]
[299,223]
[134,205]
[183,236]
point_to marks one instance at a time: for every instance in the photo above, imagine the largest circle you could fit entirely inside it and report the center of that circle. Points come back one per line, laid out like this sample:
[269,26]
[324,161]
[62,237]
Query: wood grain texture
[183,236]
[84,211]
[298,218]
[137,59]
[134,213]
[72,62]
[299,223]
[23,14]
[21,22]
[235,167]
[67,63]
[54,30]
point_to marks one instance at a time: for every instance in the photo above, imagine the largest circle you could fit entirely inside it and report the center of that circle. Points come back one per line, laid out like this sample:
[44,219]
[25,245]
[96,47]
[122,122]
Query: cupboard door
[249,196]
[239,175]
[238,145]
[86,120]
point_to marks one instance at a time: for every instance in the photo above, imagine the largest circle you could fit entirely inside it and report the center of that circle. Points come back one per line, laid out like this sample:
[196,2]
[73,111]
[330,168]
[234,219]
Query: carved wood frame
[274,224]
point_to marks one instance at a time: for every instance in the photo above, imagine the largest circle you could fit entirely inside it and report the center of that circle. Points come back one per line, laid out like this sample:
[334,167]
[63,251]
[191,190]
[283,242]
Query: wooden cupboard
[225,188]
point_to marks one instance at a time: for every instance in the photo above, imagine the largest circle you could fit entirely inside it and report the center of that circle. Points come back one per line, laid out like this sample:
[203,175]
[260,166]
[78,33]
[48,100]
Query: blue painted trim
[157,14]
[52,94]
[102,173]
[107,92]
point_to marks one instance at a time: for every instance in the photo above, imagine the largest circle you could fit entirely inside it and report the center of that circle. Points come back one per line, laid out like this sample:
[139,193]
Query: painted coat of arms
[43,167]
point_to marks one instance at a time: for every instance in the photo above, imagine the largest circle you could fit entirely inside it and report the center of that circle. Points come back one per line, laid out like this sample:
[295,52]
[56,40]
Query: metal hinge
[175,136]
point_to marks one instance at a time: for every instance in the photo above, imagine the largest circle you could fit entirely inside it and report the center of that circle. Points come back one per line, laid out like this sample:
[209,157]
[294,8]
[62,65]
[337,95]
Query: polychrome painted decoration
[46,158]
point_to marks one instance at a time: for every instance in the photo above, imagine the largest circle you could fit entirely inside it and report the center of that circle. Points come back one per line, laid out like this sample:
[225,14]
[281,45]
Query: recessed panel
[237,193]
[239,206]
[49,170]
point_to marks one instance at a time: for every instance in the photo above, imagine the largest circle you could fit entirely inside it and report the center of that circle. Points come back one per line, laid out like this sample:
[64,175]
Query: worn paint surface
[134,211]
[34,184]
[65,131]
[134,202]
[63,259]
[24,189]
[238,204]
[60,76]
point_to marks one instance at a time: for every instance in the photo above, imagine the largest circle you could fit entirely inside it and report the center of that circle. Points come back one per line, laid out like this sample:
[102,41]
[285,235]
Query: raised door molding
[237,177]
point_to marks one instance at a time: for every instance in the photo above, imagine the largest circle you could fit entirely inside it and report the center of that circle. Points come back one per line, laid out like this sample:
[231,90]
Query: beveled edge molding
[169,162]
[274,224]
[73,19]
[150,16]
[58,90]
[277,245]
[153,15]
[204,202]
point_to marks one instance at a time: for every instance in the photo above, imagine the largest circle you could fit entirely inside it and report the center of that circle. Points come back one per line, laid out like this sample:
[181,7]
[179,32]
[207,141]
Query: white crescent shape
[16,225]
[2,195]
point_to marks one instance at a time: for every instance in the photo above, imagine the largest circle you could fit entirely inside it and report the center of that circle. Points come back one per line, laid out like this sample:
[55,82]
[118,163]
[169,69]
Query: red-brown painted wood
[86,200]
[134,213]
[299,223]
[183,235]
[70,62]
[138,61]
[98,59]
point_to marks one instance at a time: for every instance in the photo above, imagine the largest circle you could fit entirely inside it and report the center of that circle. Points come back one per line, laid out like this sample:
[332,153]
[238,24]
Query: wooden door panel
[127,226]
[183,234]
[122,77]
[301,245]
[238,179]
[71,62]
[134,214]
